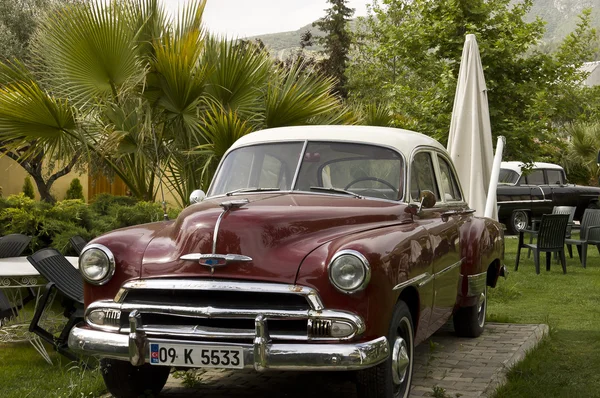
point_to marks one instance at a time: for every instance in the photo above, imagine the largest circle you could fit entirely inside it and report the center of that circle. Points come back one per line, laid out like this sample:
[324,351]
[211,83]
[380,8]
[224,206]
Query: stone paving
[471,367]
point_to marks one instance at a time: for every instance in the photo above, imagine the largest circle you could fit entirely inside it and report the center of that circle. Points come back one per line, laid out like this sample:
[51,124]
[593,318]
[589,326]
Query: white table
[17,275]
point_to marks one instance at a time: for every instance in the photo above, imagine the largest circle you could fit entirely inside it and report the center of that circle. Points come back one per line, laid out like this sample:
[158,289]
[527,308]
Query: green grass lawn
[24,373]
[567,364]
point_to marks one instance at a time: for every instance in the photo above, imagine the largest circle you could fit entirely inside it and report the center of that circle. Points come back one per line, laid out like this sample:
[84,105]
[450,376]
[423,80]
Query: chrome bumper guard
[261,355]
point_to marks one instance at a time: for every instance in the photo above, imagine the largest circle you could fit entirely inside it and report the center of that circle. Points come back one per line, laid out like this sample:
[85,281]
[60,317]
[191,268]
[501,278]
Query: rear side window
[422,176]
[536,177]
[555,177]
[449,181]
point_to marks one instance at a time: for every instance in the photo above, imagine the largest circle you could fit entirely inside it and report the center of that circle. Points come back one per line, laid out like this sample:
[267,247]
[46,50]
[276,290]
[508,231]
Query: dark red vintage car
[317,248]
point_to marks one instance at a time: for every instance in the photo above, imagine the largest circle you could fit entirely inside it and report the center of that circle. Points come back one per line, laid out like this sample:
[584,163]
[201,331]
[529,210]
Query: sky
[243,18]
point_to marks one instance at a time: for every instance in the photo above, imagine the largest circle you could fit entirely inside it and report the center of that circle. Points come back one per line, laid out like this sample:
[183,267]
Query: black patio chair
[66,280]
[77,243]
[589,234]
[570,210]
[550,239]
[13,245]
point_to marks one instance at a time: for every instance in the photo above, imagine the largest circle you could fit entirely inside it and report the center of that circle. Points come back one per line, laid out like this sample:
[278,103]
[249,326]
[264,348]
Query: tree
[148,98]
[337,41]
[28,188]
[18,21]
[75,190]
[407,53]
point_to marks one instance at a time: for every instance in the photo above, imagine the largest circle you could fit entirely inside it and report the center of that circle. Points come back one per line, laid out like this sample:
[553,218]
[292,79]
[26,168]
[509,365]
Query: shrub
[75,190]
[28,188]
[104,201]
[52,225]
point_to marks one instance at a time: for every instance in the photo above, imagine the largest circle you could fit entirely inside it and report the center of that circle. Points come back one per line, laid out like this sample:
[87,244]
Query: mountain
[561,18]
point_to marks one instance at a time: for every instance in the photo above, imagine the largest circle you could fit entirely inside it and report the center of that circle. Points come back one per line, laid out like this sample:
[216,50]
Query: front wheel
[519,219]
[123,380]
[392,378]
[470,321]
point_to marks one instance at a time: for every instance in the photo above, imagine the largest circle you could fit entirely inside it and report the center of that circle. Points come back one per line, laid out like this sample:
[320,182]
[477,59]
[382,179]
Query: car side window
[449,181]
[555,177]
[422,176]
[536,177]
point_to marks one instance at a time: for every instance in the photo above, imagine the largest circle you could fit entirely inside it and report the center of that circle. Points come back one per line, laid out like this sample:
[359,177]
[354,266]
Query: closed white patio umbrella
[470,137]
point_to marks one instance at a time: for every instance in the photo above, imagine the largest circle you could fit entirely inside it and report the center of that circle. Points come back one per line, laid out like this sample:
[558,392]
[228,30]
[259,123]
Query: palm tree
[582,151]
[152,98]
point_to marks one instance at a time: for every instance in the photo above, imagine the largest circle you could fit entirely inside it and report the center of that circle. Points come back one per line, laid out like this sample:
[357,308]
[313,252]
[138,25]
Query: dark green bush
[53,225]
[104,201]
[28,188]
[75,190]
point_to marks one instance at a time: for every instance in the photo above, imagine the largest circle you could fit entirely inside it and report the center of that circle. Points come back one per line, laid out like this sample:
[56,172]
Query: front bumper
[261,355]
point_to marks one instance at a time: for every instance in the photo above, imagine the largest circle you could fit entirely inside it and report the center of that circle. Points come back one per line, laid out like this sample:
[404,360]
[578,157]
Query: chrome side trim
[449,268]
[305,356]
[421,280]
[525,201]
[476,283]
[310,294]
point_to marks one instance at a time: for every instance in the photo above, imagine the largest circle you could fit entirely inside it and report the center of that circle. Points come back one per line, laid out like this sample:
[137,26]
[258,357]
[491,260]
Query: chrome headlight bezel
[366,270]
[109,264]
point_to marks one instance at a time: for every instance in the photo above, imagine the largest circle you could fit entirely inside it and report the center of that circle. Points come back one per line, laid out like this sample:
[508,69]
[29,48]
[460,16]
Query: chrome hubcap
[481,309]
[400,361]
[520,220]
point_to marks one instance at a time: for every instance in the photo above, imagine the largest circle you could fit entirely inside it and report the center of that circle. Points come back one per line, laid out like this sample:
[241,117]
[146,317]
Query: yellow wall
[12,177]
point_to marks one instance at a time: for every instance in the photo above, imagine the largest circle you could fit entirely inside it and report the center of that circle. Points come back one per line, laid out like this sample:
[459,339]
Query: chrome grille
[319,328]
[218,310]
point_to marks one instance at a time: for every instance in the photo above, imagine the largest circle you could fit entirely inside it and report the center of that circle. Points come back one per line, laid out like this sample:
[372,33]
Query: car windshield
[508,176]
[333,167]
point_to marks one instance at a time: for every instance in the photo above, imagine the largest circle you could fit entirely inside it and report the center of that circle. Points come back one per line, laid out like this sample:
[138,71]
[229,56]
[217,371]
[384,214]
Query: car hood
[276,231]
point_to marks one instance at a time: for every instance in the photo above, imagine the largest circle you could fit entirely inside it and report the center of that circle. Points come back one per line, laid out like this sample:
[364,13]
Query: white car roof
[516,166]
[405,141]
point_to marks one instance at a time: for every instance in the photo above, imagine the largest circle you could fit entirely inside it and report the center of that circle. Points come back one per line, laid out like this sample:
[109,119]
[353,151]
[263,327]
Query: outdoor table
[17,275]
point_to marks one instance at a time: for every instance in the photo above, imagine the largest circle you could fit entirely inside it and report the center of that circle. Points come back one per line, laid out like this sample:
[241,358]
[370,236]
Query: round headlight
[349,271]
[97,264]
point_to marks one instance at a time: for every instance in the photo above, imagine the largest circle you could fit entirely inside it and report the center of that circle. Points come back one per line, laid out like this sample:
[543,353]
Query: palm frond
[88,50]
[27,113]
[238,74]
[298,94]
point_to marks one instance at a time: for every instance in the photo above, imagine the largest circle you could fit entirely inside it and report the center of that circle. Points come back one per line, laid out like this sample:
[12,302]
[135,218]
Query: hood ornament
[215,260]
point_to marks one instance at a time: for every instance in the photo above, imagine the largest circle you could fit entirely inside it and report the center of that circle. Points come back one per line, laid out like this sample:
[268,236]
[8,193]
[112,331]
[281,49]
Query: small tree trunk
[43,188]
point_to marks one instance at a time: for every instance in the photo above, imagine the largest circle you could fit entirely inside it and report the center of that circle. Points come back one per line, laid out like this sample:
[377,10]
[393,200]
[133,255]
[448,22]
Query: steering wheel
[379,180]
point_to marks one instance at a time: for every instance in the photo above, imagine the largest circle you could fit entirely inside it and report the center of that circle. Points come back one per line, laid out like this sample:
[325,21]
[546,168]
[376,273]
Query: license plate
[196,356]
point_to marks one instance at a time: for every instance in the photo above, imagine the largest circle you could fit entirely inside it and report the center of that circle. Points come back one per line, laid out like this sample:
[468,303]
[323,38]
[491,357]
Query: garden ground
[564,365]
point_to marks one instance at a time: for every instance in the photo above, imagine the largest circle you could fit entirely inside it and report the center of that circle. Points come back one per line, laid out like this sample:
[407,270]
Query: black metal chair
[589,234]
[13,245]
[66,280]
[550,239]
[77,243]
[570,210]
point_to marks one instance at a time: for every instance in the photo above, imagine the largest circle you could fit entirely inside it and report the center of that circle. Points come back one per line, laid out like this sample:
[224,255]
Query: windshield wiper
[255,189]
[336,190]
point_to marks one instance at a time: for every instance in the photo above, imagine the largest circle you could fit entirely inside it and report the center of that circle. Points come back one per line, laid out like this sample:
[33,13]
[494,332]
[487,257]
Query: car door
[441,222]
[541,193]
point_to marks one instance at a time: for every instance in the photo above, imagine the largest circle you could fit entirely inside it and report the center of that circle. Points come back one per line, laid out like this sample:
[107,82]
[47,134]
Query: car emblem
[215,260]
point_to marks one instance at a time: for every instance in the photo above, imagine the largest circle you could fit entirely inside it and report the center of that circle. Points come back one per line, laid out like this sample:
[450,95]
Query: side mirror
[427,199]
[197,196]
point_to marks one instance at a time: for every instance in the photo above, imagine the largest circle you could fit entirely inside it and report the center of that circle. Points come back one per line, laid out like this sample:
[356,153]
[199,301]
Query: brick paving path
[471,367]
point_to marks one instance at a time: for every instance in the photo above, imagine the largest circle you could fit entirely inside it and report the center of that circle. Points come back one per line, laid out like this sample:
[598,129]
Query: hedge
[53,225]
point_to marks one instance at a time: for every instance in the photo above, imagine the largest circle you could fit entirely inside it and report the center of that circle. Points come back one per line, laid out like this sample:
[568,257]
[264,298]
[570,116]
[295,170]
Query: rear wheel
[123,380]
[519,220]
[470,321]
[392,378]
